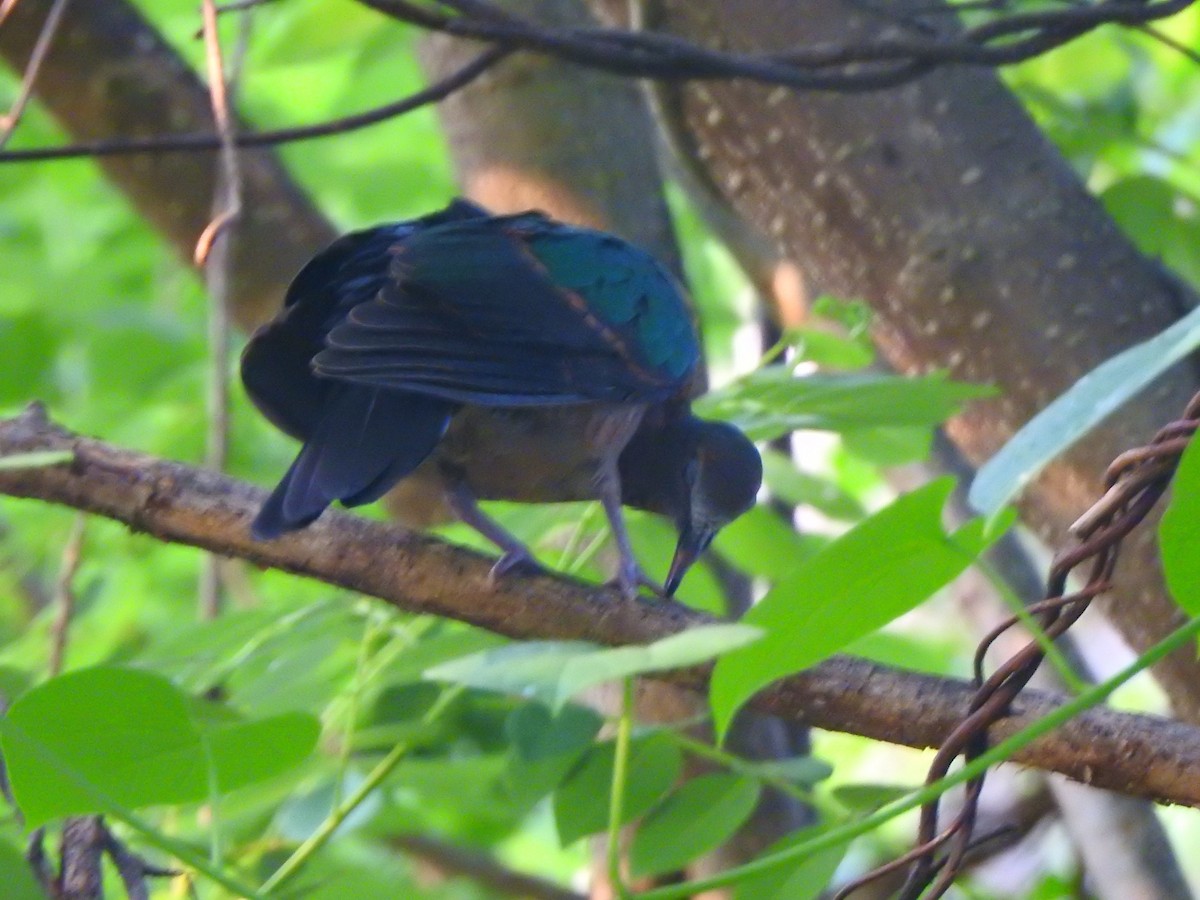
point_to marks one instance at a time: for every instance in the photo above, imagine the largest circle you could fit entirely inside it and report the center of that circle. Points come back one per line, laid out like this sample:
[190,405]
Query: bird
[472,356]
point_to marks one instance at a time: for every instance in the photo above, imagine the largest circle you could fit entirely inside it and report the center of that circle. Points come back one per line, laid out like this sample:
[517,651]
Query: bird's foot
[631,579]
[517,558]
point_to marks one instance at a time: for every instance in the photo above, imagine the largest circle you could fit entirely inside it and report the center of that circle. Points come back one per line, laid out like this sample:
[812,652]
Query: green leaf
[37,459]
[761,543]
[555,671]
[801,881]
[581,802]
[772,401]
[878,570]
[1179,533]
[537,734]
[866,798]
[1161,219]
[101,738]
[529,669]
[97,735]
[802,770]
[792,486]
[16,876]
[251,752]
[1087,403]
[701,815]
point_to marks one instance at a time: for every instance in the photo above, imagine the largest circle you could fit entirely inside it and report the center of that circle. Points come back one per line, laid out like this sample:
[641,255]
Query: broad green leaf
[1179,533]
[581,802]
[526,781]
[830,350]
[792,486]
[555,671]
[249,752]
[37,459]
[529,669]
[1087,403]
[803,880]
[17,877]
[688,648]
[99,738]
[545,748]
[1161,219]
[98,735]
[762,543]
[802,770]
[772,401]
[701,815]
[889,446]
[878,570]
[538,734]
[866,798]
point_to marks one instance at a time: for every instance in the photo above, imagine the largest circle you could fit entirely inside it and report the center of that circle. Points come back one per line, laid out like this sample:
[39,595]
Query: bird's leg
[516,555]
[630,575]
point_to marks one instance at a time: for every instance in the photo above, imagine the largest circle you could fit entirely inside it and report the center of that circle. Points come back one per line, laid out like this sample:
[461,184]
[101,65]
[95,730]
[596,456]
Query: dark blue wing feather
[366,440]
[277,362]
[472,313]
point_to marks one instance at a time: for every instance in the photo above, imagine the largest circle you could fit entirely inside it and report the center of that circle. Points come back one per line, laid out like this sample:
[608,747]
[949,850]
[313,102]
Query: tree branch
[1135,754]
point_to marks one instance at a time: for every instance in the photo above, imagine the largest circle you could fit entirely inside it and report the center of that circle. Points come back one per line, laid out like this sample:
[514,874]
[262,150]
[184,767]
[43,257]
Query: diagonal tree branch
[1140,755]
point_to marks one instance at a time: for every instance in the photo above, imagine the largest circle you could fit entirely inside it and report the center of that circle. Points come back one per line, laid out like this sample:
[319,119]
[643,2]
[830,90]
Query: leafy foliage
[209,730]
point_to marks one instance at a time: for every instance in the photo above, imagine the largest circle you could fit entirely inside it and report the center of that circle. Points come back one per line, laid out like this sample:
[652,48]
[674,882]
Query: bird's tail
[367,439]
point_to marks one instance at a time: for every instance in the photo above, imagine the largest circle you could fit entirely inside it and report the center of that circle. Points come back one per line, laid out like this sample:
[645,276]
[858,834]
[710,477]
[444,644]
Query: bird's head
[720,479]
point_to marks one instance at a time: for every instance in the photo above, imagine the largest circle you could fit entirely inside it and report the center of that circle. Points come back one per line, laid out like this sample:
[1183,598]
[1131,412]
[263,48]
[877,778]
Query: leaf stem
[617,794]
[338,814]
[803,795]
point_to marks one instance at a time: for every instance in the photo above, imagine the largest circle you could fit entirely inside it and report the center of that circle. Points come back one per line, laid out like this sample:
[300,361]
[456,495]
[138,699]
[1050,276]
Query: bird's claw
[631,579]
[518,559]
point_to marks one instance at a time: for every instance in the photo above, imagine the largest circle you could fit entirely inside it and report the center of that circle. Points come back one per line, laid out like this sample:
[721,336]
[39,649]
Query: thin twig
[206,143]
[865,66]
[64,593]
[10,121]
[214,253]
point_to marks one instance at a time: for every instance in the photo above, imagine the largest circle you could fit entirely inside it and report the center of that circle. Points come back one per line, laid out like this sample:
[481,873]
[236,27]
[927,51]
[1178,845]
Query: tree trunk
[981,252]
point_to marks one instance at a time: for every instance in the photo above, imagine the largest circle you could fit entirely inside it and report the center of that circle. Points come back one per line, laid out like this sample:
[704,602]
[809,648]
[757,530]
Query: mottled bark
[943,206]
[110,75]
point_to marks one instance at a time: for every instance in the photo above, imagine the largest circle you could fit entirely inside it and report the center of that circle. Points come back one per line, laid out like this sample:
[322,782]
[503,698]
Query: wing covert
[486,311]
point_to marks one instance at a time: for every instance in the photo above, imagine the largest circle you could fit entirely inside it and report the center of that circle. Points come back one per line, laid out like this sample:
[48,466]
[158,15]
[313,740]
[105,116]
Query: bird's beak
[692,542]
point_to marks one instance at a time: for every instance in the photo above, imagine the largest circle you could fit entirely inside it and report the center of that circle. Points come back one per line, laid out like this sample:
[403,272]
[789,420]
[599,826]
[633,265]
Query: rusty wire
[1134,483]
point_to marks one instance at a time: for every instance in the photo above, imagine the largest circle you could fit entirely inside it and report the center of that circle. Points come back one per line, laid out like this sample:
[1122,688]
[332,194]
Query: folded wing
[517,311]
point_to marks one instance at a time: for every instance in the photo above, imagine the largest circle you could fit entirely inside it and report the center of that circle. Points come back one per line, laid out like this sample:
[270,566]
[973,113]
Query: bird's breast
[542,455]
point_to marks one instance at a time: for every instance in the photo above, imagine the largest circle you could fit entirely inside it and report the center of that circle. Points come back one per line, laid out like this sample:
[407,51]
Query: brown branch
[10,121]
[206,142]
[214,254]
[885,61]
[1136,754]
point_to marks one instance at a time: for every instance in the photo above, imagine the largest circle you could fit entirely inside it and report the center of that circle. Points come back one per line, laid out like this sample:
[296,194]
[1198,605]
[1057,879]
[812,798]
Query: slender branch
[214,254]
[1135,754]
[10,121]
[64,594]
[207,142]
[866,66]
